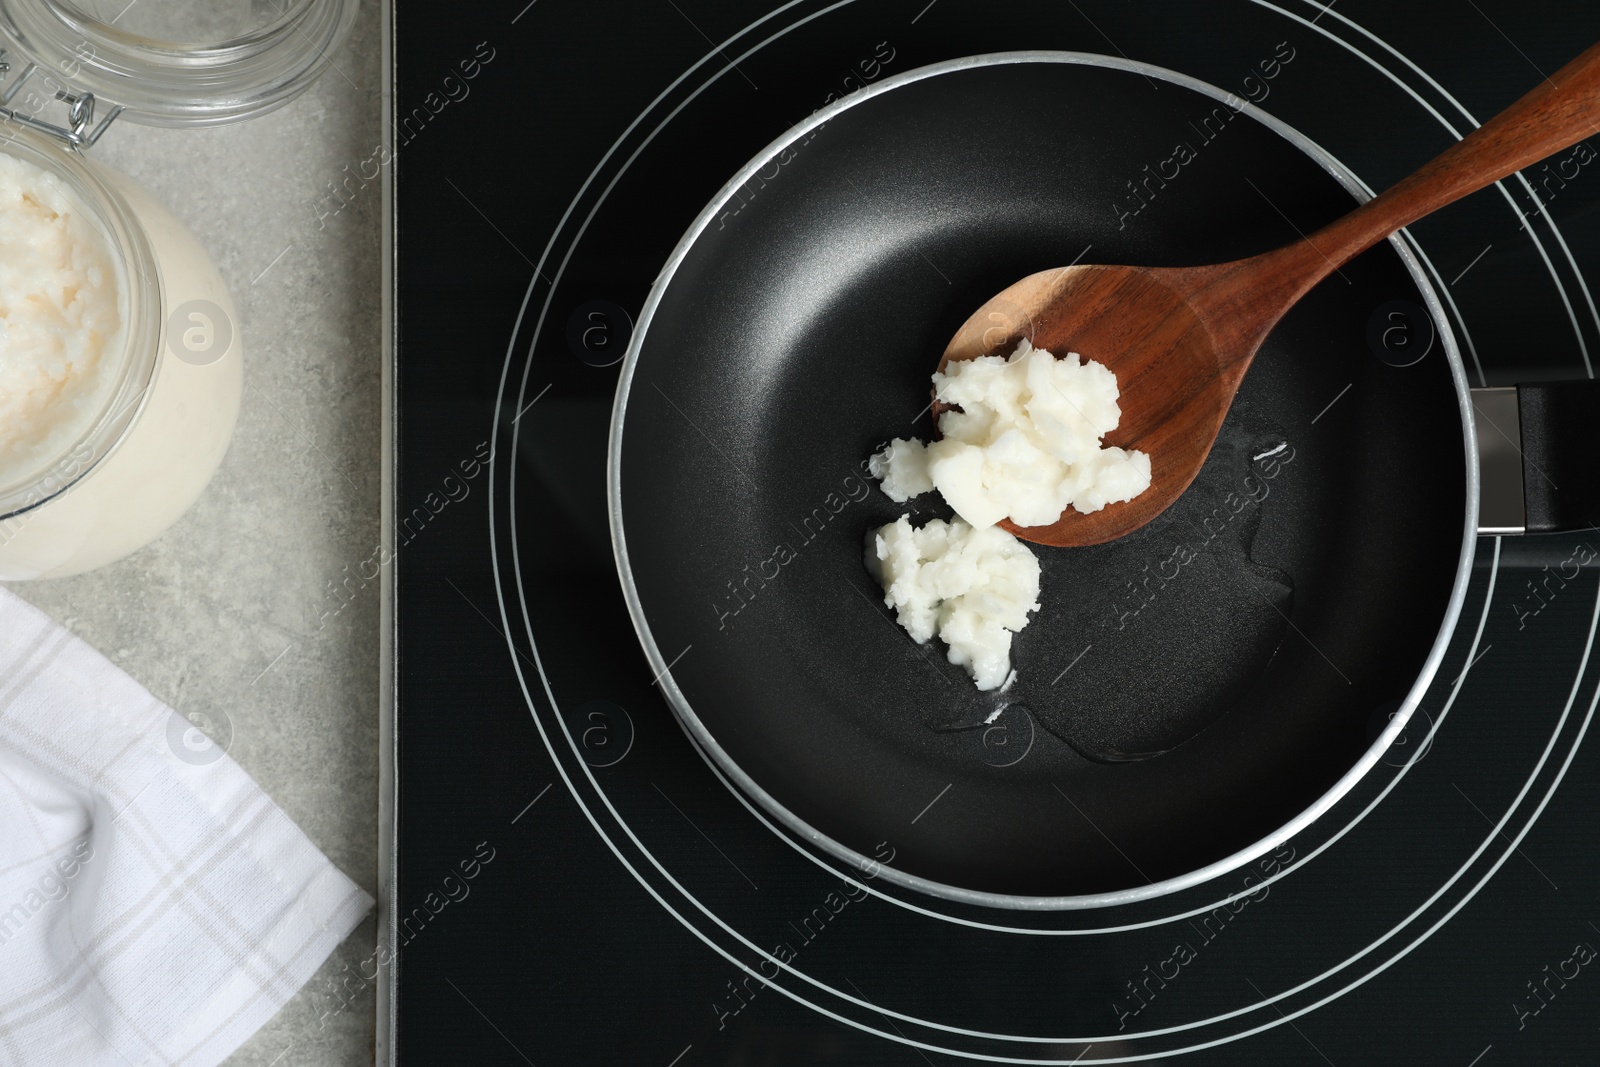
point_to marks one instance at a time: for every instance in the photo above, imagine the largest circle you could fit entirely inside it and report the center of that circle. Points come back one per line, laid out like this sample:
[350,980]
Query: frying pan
[1189,696]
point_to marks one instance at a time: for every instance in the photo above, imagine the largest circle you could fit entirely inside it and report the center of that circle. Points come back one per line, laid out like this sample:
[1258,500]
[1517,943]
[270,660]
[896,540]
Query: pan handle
[1538,457]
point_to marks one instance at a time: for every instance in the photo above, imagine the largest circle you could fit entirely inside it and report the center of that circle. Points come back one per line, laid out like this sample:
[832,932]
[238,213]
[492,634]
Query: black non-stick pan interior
[1183,691]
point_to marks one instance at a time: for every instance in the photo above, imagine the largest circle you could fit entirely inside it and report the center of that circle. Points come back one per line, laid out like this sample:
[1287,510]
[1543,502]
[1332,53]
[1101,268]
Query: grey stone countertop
[224,614]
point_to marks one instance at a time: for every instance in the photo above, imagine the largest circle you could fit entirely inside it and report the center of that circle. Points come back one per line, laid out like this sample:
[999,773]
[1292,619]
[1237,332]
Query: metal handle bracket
[1502,507]
[80,110]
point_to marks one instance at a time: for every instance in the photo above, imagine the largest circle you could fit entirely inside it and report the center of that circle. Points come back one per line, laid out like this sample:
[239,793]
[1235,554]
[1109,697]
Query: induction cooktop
[571,882]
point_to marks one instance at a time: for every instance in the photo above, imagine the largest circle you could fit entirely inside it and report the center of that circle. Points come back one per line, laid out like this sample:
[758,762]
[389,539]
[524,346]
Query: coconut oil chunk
[1024,444]
[59,318]
[972,587]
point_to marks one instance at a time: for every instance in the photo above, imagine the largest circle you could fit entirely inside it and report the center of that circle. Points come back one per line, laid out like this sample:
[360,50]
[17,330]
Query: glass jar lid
[177,62]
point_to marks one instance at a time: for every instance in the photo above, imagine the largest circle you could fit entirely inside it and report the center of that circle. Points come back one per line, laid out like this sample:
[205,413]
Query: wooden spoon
[1181,338]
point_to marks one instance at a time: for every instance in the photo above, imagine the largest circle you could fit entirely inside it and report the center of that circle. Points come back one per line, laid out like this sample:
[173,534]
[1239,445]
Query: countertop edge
[388,734]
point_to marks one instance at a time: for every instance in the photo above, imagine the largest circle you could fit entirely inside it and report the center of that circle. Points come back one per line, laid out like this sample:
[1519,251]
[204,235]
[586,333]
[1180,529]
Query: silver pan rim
[751,789]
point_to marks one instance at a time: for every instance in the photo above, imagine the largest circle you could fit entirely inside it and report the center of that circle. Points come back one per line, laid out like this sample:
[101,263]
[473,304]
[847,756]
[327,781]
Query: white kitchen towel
[156,907]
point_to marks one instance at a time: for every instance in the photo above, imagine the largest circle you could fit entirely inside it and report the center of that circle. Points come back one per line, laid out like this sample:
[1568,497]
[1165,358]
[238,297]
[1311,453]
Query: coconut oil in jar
[120,368]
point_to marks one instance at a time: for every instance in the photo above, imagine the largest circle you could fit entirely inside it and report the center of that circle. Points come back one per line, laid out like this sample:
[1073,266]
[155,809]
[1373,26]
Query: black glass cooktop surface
[575,884]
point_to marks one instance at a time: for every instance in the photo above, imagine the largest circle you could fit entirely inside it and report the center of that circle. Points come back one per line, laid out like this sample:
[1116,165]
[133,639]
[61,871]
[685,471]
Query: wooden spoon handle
[1560,111]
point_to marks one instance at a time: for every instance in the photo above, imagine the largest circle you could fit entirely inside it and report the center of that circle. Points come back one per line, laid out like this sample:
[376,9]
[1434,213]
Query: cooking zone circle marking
[682,919]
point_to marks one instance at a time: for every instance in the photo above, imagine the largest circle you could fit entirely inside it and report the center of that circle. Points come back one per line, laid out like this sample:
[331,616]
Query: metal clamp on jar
[120,355]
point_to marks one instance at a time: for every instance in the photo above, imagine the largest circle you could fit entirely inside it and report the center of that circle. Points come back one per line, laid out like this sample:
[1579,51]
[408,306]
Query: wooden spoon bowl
[1164,354]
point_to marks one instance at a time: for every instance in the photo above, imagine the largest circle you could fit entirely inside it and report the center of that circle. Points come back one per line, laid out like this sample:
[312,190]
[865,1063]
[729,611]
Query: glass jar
[163,425]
